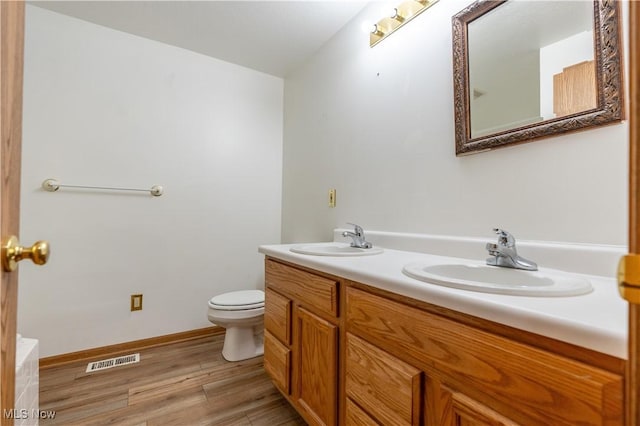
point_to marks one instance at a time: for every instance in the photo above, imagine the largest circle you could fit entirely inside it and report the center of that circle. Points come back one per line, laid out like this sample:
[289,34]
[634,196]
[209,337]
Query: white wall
[377,125]
[103,107]
[511,95]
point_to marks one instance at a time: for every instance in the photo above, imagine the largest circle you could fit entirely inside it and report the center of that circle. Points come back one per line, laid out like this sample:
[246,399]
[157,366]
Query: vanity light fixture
[403,13]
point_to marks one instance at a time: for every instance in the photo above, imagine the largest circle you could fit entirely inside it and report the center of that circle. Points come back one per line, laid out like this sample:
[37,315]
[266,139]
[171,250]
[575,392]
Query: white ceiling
[269,36]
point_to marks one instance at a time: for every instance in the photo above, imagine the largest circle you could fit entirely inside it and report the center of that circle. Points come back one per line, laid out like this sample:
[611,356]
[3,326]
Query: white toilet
[242,314]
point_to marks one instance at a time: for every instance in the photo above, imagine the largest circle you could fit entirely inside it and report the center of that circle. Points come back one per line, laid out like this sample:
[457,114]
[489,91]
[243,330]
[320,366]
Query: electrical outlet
[136,302]
[332,198]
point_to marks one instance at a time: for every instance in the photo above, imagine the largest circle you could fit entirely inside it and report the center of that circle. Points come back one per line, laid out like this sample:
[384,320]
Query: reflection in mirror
[525,70]
[532,42]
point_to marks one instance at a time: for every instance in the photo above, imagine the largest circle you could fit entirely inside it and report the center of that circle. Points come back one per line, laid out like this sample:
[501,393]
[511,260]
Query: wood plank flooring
[187,383]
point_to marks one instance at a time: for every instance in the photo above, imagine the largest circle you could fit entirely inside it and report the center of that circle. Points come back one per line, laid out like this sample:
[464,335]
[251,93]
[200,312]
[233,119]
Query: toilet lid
[238,300]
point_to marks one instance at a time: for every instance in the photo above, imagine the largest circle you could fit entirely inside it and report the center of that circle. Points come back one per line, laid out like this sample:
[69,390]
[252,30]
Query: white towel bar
[52,185]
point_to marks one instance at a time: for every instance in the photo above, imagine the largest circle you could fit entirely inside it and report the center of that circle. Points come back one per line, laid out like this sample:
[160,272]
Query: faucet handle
[357,229]
[505,238]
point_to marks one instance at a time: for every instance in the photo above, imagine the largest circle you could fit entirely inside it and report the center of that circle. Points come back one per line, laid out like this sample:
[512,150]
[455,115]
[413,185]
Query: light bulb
[367,27]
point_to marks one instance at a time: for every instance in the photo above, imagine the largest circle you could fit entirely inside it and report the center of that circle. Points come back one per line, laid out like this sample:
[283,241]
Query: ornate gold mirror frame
[609,86]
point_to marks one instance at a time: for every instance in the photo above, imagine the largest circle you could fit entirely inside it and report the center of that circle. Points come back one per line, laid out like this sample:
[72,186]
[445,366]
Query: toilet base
[242,343]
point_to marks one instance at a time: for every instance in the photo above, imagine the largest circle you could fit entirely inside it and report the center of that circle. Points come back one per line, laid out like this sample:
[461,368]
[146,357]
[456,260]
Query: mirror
[527,70]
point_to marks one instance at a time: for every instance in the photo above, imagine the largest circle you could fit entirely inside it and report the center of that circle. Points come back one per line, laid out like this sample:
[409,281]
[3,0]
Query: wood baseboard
[120,348]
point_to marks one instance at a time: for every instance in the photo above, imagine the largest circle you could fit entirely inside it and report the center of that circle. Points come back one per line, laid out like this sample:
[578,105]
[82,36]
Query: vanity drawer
[384,386]
[535,385]
[277,316]
[314,292]
[277,362]
[356,416]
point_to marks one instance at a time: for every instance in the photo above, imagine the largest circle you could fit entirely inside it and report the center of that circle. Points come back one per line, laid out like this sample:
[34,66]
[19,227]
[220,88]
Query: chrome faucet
[505,255]
[357,236]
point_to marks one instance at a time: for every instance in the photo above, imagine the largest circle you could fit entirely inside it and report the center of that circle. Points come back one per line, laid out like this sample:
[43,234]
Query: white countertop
[597,320]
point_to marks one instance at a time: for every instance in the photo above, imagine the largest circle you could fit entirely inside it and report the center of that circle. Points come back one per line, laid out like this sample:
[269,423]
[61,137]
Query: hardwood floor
[186,383]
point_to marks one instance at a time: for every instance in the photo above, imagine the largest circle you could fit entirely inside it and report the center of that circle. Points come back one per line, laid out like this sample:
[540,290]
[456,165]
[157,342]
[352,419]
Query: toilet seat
[242,300]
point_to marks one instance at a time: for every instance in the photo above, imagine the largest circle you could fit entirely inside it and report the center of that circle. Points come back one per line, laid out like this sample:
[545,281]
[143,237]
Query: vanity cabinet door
[315,367]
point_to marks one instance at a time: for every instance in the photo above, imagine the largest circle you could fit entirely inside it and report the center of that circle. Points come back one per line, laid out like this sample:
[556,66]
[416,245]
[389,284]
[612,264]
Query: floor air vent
[113,362]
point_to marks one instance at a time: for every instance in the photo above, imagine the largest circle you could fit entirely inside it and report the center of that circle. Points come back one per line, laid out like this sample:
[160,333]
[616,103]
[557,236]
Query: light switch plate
[332,198]
[136,302]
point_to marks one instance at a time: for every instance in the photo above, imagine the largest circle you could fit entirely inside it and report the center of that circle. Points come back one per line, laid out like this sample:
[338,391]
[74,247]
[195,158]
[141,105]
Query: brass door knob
[13,252]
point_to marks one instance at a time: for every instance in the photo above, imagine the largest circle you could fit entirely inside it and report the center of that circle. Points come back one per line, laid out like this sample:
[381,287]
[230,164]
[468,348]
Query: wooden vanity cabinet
[301,339]
[382,359]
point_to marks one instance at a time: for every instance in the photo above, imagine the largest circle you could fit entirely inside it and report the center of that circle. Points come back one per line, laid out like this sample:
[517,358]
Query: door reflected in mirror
[525,70]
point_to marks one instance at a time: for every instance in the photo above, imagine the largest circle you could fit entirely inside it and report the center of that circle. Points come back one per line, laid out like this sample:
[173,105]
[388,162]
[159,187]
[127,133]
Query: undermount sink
[492,279]
[334,249]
